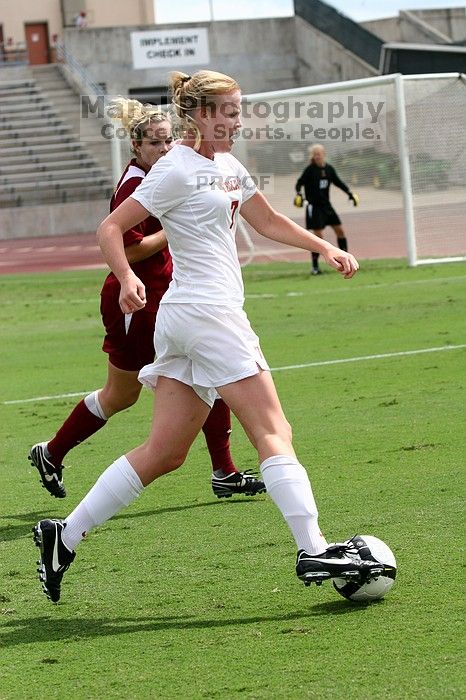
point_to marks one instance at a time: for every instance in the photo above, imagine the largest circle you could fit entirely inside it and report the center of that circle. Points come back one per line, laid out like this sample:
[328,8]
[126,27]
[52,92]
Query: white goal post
[456,138]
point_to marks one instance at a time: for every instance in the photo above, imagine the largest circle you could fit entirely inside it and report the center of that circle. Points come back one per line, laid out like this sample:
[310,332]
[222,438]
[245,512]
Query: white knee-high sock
[116,488]
[288,485]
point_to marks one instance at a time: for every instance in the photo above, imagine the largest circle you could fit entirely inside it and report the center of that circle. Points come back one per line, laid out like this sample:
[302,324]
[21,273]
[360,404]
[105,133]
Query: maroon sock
[217,429]
[79,425]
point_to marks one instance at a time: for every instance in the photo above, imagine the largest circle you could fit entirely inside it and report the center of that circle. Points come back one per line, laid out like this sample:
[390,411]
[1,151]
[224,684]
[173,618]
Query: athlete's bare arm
[147,247]
[110,239]
[269,223]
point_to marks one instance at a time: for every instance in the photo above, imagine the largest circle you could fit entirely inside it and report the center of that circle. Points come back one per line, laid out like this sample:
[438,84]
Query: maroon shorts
[131,348]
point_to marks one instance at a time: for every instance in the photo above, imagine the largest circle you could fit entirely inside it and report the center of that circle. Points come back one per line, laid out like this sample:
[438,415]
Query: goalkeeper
[316,180]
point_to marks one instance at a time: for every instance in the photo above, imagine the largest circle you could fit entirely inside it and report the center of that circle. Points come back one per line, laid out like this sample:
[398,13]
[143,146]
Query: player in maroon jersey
[129,338]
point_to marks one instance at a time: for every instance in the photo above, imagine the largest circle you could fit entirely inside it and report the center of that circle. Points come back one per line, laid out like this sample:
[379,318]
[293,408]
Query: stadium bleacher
[43,158]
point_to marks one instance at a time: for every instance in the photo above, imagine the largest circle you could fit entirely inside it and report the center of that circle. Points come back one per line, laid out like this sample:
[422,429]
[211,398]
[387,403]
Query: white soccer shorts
[203,346]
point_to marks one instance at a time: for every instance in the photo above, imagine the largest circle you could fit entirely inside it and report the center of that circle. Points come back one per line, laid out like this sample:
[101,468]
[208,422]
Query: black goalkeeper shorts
[318,217]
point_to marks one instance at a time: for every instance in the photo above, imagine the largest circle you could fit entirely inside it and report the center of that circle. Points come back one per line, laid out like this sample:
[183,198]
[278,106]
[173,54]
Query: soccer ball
[369,547]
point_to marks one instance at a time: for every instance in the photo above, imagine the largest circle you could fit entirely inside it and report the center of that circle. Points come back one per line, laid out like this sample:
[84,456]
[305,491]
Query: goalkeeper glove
[298,201]
[354,198]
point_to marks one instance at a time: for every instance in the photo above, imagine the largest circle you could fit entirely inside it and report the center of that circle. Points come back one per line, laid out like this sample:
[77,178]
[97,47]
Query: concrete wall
[407,28]
[387,29]
[261,54]
[108,13]
[322,60]
[52,220]
[14,13]
[451,22]
[421,26]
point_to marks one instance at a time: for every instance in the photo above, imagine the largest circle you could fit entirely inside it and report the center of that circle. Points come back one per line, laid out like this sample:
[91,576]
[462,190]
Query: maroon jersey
[129,340]
[154,272]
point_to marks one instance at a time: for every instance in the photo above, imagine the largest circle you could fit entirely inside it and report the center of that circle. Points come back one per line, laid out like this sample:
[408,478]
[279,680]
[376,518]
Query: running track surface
[46,254]
[371,235]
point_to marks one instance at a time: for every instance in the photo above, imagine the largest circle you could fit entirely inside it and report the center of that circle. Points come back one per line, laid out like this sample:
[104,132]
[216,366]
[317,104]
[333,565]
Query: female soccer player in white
[204,342]
[129,339]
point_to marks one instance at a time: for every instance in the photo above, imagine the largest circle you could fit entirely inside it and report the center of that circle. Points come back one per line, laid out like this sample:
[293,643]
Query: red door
[37,42]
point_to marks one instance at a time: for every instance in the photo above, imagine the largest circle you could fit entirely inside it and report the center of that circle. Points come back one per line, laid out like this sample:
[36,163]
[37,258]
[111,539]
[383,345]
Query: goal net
[397,141]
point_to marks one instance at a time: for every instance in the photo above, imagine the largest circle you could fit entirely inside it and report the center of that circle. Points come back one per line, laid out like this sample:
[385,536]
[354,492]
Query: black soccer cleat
[51,475]
[239,482]
[338,561]
[54,559]
[370,569]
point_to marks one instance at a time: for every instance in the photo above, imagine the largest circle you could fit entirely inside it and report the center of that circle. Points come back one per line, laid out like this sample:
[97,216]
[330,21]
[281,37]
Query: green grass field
[184,596]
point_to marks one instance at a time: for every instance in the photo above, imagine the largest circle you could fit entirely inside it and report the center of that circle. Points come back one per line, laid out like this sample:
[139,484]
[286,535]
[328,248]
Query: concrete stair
[67,104]
[46,155]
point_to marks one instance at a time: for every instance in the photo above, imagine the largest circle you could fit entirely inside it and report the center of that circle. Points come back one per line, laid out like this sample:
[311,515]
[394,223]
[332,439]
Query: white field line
[363,358]
[46,398]
[322,363]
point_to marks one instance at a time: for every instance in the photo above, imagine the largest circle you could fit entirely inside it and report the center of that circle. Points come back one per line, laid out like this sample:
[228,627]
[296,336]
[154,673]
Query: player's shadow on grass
[21,529]
[341,607]
[187,506]
[49,629]
[9,533]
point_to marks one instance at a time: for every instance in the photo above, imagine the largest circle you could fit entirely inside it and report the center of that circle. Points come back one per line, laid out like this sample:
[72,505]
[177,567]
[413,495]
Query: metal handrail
[15,55]
[88,86]
[79,73]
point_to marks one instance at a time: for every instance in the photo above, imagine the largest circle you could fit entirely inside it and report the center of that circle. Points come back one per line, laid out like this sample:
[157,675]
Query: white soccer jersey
[197,200]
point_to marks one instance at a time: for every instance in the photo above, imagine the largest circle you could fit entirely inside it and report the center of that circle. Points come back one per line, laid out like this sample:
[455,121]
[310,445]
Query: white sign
[170,47]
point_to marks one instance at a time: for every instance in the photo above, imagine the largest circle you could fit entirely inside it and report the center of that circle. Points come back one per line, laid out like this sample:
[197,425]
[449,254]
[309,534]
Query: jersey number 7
[234,207]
